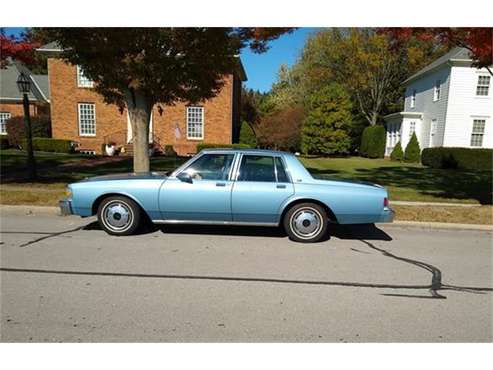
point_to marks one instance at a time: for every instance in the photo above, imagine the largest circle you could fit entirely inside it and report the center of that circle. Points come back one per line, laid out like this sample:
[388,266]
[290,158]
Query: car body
[230,187]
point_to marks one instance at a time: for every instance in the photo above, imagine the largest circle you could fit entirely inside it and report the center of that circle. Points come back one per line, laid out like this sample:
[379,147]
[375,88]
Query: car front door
[199,192]
[261,186]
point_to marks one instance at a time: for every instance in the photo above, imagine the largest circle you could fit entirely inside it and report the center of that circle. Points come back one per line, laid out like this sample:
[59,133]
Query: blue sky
[261,69]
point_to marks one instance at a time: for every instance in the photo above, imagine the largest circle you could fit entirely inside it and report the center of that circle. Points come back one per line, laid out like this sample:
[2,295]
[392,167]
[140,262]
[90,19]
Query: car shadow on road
[356,232]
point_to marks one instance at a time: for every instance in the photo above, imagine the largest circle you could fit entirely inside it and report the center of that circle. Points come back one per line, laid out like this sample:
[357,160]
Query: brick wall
[112,125]
[16,109]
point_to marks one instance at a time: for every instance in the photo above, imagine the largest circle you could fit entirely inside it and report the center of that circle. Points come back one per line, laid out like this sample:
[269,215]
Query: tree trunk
[139,110]
[374,117]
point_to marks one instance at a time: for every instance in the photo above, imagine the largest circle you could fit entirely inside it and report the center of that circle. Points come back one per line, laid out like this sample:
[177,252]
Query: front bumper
[387,215]
[65,207]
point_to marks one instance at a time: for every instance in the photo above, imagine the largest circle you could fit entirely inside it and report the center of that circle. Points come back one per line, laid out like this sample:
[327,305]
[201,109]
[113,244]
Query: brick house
[11,98]
[78,113]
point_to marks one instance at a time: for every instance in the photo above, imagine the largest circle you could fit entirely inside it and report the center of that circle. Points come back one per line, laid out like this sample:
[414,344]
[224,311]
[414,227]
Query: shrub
[247,135]
[40,127]
[397,154]
[326,127]
[412,153]
[169,151]
[281,129]
[4,142]
[222,146]
[464,158]
[51,145]
[373,142]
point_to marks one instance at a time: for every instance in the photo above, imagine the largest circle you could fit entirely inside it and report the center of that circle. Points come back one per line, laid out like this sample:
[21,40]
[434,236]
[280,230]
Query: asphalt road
[64,280]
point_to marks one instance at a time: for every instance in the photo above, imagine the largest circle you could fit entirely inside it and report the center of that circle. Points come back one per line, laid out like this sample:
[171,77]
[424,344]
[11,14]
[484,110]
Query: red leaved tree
[12,48]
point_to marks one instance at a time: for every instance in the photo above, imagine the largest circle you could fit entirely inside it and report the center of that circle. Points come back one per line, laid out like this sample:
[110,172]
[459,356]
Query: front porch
[400,127]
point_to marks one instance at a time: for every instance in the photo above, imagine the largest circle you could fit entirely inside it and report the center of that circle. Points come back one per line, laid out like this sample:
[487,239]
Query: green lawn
[410,182]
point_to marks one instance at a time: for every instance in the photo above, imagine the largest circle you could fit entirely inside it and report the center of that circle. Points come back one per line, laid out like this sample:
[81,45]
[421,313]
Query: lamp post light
[24,85]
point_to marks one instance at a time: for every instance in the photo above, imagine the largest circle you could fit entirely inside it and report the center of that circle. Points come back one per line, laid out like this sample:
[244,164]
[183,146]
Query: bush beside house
[412,154]
[464,158]
[40,127]
[373,142]
[397,154]
[4,142]
[52,145]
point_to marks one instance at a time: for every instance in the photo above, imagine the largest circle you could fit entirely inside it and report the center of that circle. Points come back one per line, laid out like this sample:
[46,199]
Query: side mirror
[185,177]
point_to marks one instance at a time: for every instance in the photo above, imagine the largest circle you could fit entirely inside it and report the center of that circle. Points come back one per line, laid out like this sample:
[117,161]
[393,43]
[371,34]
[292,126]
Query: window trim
[483,85]
[474,119]
[203,122]
[78,119]
[5,121]
[90,83]
[236,172]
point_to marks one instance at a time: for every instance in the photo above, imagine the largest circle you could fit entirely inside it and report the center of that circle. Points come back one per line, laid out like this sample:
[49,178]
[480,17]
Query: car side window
[281,172]
[257,168]
[211,167]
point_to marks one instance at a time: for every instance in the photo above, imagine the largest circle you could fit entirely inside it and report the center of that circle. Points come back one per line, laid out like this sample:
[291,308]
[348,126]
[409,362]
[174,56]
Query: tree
[478,40]
[137,68]
[397,154]
[280,129]
[325,129]
[413,152]
[247,135]
[12,48]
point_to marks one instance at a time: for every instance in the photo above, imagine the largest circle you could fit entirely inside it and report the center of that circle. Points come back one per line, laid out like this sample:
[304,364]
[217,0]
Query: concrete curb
[430,204]
[439,225]
[40,210]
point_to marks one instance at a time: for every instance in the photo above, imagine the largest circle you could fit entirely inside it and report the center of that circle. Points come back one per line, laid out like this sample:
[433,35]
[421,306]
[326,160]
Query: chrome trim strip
[209,222]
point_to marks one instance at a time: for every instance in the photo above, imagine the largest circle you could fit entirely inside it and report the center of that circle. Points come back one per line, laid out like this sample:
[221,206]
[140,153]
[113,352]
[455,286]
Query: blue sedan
[230,187]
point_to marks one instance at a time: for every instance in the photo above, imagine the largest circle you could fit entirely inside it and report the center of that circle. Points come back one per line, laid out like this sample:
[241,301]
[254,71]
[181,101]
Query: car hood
[128,176]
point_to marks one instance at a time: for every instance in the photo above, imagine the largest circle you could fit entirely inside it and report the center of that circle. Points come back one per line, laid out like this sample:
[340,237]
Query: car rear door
[261,185]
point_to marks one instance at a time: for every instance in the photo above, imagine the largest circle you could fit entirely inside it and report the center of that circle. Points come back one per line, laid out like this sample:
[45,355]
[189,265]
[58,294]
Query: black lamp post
[24,85]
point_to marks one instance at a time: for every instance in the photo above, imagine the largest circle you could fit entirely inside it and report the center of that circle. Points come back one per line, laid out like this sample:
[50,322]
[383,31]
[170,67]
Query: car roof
[246,151]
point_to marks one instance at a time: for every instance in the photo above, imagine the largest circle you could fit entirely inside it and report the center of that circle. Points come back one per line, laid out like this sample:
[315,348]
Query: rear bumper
[65,207]
[387,215]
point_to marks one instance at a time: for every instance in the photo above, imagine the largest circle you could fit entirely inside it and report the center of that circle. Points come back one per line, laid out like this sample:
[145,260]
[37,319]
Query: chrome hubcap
[117,216]
[306,222]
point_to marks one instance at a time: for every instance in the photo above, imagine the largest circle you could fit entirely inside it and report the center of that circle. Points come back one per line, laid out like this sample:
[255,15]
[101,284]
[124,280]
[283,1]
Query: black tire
[306,223]
[119,215]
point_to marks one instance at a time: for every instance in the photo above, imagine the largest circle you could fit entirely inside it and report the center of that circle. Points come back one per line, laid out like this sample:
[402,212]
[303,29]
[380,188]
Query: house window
[413,99]
[437,90]
[82,80]
[4,116]
[477,132]
[195,122]
[87,119]
[412,128]
[483,85]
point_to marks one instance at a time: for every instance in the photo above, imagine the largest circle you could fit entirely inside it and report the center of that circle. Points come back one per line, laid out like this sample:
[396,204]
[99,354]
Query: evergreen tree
[397,154]
[413,151]
[247,135]
[326,127]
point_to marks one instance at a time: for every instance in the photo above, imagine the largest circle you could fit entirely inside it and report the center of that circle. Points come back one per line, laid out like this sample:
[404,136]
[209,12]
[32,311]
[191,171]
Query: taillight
[385,202]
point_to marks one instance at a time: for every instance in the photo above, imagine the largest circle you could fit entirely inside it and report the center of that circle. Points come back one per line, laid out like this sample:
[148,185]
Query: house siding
[424,87]
[465,106]
[111,124]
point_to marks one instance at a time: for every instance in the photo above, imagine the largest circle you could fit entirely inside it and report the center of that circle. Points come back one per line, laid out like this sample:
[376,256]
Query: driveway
[64,280]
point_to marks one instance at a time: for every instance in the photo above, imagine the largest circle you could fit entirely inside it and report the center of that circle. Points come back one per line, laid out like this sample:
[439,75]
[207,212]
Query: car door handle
[220,184]
[281,186]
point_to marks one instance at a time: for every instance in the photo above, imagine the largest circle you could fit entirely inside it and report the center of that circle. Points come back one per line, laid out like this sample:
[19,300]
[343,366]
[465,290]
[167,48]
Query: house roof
[54,48]
[9,90]
[455,54]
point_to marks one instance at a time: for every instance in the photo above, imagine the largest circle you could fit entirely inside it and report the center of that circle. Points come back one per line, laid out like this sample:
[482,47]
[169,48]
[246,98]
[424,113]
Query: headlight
[68,192]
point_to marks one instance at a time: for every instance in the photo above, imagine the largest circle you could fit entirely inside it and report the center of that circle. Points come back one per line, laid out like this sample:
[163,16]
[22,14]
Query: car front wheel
[119,215]
[306,223]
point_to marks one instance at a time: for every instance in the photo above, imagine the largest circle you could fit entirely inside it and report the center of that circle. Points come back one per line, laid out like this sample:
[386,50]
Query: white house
[447,103]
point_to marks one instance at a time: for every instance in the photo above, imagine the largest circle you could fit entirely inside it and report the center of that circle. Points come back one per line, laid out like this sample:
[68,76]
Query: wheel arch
[99,199]
[330,213]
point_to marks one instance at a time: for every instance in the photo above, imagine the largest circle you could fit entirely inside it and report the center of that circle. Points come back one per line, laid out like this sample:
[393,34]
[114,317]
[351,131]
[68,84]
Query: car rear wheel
[118,215]
[306,223]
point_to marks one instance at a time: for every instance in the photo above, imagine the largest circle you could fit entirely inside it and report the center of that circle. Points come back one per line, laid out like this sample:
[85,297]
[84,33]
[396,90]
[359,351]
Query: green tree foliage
[397,154]
[373,142]
[138,68]
[413,152]
[247,135]
[325,129]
